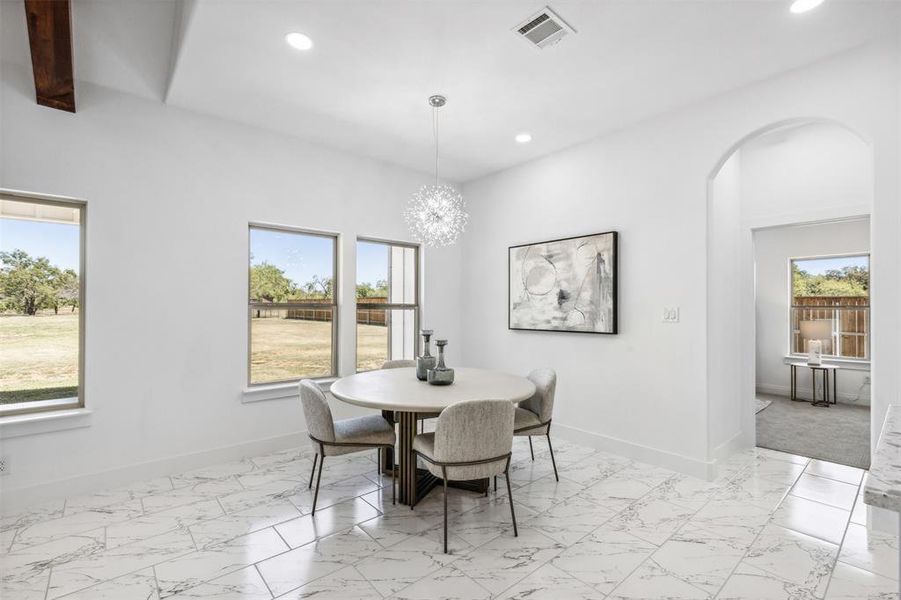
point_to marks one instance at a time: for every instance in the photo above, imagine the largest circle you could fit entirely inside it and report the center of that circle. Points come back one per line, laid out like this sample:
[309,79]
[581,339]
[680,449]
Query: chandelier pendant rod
[435,131]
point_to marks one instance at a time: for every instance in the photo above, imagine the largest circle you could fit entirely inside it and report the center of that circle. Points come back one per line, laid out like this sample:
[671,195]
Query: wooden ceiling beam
[50,38]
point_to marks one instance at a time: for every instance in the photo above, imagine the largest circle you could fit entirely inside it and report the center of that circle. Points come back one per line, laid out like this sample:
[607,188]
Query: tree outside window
[834,289]
[41,325]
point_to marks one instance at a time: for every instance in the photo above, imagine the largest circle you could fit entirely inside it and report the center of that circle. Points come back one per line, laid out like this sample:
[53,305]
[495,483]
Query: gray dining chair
[406,364]
[472,440]
[334,438]
[399,364]
[533,416]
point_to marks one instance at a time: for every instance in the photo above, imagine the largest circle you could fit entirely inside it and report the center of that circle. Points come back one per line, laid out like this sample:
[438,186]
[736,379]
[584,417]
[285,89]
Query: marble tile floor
[772,526]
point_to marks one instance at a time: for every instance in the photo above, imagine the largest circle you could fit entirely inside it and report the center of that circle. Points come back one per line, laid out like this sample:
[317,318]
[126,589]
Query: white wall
[806,169]
[646,391]
[773,248]
[723,226]
[170,195]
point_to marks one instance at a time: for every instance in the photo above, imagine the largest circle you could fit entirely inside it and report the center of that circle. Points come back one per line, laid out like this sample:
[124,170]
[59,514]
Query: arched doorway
[808,190]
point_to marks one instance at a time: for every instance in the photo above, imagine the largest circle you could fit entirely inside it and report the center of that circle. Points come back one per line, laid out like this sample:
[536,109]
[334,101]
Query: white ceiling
[364,85]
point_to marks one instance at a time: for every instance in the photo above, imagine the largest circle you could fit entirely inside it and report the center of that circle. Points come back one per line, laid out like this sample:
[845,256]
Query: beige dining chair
[406,364]
[533,416]
[472,440]
[399,364]
[334,438]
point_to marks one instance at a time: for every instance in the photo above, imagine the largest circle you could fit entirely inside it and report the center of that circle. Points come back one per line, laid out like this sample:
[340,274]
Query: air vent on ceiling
[544,28]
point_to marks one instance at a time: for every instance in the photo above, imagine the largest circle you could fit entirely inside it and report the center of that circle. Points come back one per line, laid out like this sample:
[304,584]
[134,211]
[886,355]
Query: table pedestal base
[413,484]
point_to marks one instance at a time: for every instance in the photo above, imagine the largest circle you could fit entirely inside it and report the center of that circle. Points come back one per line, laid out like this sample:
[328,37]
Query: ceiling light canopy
[802,6]
[299,41]
[523,138]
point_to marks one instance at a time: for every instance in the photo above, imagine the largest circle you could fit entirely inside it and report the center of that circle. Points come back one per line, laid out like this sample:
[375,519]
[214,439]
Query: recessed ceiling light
[523,138]
[299,41]
[802,6]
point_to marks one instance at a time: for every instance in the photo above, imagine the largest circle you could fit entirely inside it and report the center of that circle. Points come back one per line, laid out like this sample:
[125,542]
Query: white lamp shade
[820,329]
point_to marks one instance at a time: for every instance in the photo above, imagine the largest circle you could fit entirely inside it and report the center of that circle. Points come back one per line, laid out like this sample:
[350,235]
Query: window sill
[278,391]
[44,422]
[845,363]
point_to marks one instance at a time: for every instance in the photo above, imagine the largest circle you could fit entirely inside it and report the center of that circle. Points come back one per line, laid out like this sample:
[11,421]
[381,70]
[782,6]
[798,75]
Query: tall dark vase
[441,375]
[426,361]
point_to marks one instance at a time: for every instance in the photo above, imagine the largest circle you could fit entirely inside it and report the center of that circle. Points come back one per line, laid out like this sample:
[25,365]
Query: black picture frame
[615,308]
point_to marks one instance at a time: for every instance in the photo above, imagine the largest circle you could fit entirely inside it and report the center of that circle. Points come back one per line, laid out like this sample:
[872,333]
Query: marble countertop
[883,482]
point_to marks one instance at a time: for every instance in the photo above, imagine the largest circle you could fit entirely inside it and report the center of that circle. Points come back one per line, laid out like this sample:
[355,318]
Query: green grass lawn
[284,349]
[39,354]
[38,357]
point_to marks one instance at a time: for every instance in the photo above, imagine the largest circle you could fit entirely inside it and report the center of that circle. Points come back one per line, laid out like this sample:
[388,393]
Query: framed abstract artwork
[564,285]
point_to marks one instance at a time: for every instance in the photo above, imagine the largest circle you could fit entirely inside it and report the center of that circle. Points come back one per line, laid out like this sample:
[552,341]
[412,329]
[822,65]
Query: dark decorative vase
[426,361]
[441,375]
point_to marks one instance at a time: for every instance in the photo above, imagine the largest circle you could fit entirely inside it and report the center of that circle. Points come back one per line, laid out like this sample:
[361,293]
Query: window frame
[792,307]
[415,307]
[333,305]
[59,404]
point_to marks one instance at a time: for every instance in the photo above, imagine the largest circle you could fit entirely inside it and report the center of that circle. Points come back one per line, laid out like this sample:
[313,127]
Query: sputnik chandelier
[436,214]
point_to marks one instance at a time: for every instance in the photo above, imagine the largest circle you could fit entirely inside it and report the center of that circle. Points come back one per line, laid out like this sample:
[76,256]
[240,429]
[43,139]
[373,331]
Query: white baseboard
[730,446]
[736,443]
[16,499]
[784,390]
[655,456]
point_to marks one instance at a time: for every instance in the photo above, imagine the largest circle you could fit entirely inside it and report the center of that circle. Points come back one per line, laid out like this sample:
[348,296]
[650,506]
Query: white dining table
[401,397]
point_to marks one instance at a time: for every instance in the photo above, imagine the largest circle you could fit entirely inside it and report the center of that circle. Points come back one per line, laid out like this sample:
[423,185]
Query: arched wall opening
[796,171]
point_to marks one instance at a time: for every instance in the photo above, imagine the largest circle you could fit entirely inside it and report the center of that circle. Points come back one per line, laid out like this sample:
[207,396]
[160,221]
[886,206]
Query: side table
[829,372]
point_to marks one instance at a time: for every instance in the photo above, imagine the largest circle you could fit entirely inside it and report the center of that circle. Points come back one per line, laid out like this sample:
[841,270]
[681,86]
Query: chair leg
[531,451]
[444,475]
[415,498]
[318,479]
[553,462]
[495,483]
[510,496]
[393,483]
[313,472]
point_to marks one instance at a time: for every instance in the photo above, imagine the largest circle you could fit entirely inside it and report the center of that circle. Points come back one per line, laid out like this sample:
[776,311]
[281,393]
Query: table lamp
[815,332]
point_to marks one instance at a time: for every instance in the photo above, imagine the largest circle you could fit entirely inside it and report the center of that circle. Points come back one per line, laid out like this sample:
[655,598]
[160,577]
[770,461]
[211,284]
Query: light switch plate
[670,314]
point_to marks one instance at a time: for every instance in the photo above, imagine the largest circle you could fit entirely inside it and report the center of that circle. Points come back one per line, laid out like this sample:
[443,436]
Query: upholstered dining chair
[406,364]
[333,438]
[399,364]
[472,440]
[533,416]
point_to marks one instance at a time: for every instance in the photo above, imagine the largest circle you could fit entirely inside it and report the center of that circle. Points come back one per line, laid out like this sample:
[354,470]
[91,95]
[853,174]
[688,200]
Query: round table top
[821,366]
[398,389]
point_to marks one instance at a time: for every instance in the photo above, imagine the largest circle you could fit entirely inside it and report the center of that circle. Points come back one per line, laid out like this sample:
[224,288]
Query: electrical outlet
[670,314]
[4,466]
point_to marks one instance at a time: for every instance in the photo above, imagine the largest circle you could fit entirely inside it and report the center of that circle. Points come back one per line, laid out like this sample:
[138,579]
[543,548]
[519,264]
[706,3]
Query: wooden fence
[850,318]
[365,316]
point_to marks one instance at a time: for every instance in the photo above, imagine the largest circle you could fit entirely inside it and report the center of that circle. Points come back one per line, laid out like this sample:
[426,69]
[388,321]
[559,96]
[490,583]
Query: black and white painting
[564,285]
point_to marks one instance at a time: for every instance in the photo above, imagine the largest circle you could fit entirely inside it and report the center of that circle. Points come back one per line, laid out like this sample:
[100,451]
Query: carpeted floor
[840,433]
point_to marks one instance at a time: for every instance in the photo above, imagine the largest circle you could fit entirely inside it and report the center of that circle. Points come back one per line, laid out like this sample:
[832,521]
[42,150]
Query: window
[292,305]
[387,302]
[834,292]
[41,304]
